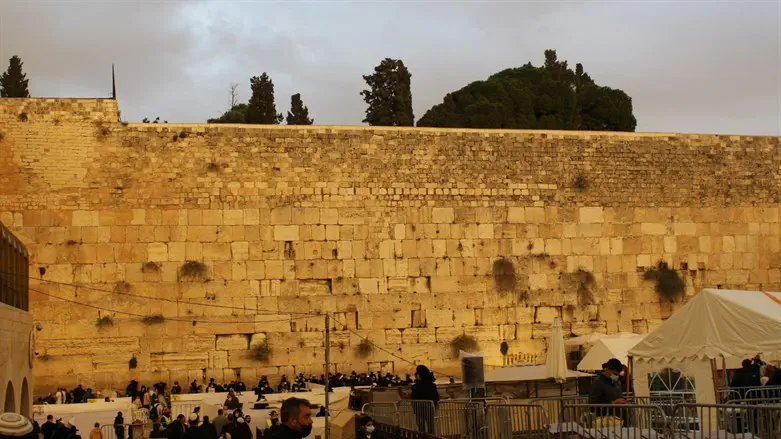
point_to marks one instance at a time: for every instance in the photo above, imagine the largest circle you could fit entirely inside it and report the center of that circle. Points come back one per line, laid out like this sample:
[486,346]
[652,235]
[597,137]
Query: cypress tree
[299,113]
[262,109]
[389,96]
[13,82]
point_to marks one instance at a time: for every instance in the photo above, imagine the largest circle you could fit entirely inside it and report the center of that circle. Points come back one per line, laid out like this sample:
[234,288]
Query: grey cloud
[690,67]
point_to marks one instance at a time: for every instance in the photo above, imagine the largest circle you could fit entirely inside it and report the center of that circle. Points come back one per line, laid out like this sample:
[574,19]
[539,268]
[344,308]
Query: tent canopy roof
[512,374]
[717,323]
[609,347]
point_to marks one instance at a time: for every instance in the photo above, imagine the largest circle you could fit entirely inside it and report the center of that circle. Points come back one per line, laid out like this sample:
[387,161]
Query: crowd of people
[147,397]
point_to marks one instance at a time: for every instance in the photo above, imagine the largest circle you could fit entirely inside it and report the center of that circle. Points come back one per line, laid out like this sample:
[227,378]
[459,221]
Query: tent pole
[715,379]
[631,372]
[724,366]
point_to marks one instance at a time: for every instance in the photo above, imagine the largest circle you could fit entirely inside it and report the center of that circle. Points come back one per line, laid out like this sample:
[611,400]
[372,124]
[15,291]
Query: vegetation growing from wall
[154,319]
[261,352]
[669,284]
[465,343]
[104,322]
[364,348]
[192,271]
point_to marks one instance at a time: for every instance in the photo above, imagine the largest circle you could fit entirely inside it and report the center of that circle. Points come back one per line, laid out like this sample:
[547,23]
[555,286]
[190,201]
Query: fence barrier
[726,421]
[125,431]
[515,421]
[417,415]
[570,418]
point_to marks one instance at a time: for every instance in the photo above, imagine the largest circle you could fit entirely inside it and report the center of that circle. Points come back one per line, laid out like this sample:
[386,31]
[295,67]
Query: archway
[24,404]
[10,404]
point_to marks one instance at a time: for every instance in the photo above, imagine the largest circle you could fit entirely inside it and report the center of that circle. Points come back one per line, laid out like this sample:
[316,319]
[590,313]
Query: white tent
[715,325]
[590,339]
[556,364]
[612,346]
[515,374]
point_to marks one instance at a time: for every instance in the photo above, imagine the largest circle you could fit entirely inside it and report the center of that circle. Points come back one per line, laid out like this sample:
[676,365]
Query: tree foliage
[549,97]
[261,108]
[389,96]
[237,114]
[299,113]
[13,82]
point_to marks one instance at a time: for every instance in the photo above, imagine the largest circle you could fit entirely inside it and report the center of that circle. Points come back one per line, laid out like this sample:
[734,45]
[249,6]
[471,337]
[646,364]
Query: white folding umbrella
[556,364]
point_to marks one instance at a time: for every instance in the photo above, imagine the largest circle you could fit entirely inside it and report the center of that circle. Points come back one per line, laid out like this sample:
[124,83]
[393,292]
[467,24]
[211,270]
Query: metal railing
[726,421]
[554,406]
[125,431]
[417,415]
[515,421]
[570,418]
[385,412]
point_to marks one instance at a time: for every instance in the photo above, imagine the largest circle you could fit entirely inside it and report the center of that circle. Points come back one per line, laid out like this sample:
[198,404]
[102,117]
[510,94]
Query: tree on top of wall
[389,96]
[299,113]
[261,107]
[552,96]
[13,82]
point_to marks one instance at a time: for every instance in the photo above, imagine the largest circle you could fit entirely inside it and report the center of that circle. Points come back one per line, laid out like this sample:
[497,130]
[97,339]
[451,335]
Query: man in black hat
[606,389]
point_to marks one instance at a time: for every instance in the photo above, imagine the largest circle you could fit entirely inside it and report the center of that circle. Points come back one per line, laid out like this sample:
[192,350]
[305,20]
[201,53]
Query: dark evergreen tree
[548,97]
[389,95]
[237,114]
[13,82]
[261,108]
[299,113]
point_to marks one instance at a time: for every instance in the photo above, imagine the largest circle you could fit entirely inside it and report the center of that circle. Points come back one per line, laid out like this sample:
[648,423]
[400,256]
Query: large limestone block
[446,335]
[178,361]
[436,318]
[90,346]
[483,333]
[545,314]
[229,342]
[272,323]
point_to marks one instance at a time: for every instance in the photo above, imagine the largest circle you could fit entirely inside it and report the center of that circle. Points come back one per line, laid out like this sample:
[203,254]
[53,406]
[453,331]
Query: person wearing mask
[296,419]
[165,418]
[95,433]
[219,422]
[119,428]
[365,428]
[208,431]
[424,389]
[606,389]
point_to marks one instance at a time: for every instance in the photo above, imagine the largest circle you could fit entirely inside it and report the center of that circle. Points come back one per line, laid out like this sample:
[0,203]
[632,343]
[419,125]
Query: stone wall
[405,235]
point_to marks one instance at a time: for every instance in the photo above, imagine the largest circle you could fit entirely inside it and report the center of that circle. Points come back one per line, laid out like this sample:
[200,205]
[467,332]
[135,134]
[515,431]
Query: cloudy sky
[689,66]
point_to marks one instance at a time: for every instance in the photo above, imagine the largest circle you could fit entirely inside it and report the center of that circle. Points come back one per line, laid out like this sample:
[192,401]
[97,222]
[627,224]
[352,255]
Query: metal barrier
[417,415]
[460,419]
[554,406]
[389,431]
[622,421]
[515,421]
[125,431]
[726,421]
[763,393]
[385,412]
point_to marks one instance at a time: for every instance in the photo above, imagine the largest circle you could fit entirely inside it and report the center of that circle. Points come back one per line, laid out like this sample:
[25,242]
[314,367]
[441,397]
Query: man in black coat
[176,429]
[48,428]
[296,420]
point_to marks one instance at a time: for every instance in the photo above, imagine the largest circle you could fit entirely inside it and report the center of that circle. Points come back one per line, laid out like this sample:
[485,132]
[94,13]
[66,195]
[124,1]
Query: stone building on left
[17,338]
